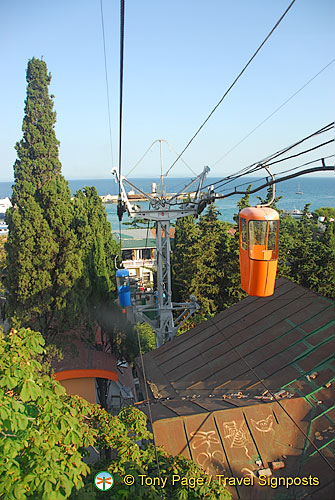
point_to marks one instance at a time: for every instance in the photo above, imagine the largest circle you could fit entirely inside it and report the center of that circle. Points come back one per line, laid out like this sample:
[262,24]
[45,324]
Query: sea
[317,191]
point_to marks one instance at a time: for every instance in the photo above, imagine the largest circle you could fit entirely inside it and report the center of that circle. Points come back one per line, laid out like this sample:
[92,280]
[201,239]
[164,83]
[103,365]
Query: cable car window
[244,233]
[272,238]
[257,232]
[257,239]
[262,239]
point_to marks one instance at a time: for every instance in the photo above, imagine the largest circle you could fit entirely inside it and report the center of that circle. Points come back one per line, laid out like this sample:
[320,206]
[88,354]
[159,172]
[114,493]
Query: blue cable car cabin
[123,288]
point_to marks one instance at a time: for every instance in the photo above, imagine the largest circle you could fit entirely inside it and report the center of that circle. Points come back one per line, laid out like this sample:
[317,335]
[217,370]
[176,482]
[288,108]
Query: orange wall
[84,387]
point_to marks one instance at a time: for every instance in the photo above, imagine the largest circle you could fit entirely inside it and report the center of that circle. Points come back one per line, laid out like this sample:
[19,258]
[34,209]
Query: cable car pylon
[162,210]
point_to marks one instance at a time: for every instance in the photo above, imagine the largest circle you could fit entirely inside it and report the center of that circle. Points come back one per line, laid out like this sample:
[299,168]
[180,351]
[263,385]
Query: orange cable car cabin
[258,227]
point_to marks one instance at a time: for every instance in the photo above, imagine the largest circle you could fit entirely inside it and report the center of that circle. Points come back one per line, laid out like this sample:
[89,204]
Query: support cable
[299,154]
[121,102]
[279,161]
[258,165]
[122,8]
[254,167]
[149,411]
[324,168]
[106,78]
[279,173]
[274,112]
[272,394]
[232,85]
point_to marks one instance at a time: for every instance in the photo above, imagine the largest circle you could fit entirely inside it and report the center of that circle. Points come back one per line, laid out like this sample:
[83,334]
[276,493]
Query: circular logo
[103,481]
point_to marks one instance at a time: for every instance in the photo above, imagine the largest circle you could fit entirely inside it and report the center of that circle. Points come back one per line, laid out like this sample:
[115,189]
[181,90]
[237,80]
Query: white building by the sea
[4,204]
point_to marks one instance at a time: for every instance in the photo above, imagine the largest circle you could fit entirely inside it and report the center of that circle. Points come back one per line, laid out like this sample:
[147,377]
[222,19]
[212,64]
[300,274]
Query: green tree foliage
[98,247]
[309,253]
[43,432]
[328,212]
[184,257]
[205,263]
[205,282]
[135,455]
[2,277]
[244,202]
[268,198]
[147,337]
[326,274]
[43,257]
[288,230]
[2,263]
[229,264]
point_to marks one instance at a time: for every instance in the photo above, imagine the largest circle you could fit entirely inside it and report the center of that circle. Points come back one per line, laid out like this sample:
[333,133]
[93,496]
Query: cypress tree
[183,257]
[205,282]
[228,263]
[97,283]
[43,257]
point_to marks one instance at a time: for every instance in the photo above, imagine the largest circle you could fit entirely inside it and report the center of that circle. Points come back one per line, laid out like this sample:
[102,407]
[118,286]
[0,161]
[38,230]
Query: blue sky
[180,57]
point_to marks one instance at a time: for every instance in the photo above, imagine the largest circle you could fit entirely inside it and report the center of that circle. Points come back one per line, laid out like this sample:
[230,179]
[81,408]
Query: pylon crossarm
[201,177]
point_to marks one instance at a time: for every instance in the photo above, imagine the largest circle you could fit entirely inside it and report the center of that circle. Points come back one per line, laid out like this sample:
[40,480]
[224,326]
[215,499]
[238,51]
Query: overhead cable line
[322,130]
[261,381]
[279,173]
[274,112]
[121,103]
[268,164]
[307,163]
[121,79]
[122,9]
[122,12]
[258,165]
[232,85]
[106,78]
[323,168]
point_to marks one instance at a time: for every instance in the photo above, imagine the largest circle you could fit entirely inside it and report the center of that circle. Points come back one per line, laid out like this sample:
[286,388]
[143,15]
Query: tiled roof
[132,244]
[282,337]
[239,442]
[80,355]
[208,404]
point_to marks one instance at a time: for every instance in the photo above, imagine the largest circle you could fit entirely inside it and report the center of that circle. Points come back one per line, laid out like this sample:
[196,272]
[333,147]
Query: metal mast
[162,209]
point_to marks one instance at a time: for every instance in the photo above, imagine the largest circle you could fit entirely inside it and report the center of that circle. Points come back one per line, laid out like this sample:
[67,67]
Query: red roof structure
[208,401]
